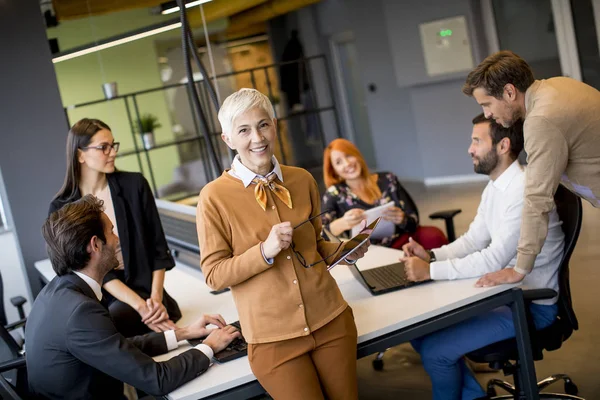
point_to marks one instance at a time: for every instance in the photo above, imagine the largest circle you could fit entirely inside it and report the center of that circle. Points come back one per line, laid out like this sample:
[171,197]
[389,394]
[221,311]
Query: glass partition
[3,222]
[176,156]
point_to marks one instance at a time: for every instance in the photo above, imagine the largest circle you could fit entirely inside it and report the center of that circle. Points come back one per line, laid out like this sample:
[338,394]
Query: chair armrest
[538,294]
[448,217]
[18,301]
[13,364]
[17,324]
[444,214]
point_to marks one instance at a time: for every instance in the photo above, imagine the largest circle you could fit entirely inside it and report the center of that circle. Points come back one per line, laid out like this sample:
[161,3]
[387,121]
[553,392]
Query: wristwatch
[431,256]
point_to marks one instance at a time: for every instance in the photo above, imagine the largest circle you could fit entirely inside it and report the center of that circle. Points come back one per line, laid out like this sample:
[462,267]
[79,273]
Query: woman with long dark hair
[134,290]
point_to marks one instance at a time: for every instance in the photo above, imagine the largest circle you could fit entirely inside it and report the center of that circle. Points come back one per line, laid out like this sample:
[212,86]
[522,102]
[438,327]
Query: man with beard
[489,245]
[562,141]
[74,350]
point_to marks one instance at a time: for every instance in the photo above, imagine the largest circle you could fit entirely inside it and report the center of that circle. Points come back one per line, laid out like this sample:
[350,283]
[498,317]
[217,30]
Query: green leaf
[147,123]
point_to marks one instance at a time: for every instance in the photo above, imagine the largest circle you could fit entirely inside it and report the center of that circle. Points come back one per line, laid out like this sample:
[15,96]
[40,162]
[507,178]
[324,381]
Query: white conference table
[382,321]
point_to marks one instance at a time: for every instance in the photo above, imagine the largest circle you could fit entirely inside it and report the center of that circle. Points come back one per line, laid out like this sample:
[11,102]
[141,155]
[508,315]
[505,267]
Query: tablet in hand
[351,245]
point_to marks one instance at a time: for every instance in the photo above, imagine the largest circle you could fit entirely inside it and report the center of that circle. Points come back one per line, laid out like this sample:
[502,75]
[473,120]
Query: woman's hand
[157,312]
[395,215]
[353,217]
[162,326]
[279,239]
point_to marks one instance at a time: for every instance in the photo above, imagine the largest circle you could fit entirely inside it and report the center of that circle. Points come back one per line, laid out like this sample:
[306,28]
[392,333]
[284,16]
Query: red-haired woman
[352,189]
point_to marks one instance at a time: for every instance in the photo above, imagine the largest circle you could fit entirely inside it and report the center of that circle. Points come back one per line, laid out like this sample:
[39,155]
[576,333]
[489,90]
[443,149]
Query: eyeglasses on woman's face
[104,147]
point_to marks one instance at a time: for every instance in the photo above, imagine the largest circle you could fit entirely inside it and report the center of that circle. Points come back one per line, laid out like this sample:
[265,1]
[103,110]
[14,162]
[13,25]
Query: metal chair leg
[550,396]
[501,384]
[570,387]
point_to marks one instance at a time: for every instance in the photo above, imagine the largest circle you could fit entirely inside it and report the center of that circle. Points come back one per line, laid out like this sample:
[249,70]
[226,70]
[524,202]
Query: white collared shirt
[170,336]
[490,244]
[243,173]
[95,286]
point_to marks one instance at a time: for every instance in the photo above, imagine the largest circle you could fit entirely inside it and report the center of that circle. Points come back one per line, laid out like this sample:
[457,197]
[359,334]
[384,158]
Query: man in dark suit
[74,350]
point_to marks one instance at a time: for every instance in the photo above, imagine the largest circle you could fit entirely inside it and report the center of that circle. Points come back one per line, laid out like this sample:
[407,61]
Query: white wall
[13,277]
[421,129]
[32,138]
[12,267]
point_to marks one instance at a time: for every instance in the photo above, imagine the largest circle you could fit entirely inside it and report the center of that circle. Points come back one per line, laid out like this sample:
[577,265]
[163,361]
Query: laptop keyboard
[388,276]
[236,349]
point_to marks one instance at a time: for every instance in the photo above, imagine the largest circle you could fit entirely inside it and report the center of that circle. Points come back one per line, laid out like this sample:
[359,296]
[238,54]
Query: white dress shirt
[170,336]
[490,244]
[243,173]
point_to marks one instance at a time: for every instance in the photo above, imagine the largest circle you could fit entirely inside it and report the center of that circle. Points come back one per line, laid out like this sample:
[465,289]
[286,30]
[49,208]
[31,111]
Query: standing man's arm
[547,157]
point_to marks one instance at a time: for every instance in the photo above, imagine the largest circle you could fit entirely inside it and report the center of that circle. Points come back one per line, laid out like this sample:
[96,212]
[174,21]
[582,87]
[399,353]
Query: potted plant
[146,126]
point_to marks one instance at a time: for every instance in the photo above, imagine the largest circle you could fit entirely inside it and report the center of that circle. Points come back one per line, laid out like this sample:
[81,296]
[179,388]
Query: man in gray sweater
[562,140]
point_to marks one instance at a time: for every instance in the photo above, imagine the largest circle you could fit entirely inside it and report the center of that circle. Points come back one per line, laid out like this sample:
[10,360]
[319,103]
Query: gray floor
[404,377]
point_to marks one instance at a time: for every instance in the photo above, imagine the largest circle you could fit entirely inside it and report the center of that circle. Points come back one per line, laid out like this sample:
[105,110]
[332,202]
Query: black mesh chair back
[3,320]
[570,211]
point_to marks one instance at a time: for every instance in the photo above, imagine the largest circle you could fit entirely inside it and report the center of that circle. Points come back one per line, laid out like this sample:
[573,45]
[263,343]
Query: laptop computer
[380,280]
[236,349]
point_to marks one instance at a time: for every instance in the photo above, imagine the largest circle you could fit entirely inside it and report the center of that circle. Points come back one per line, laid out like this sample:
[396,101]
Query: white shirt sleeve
[482,260]
[208,352]
[171,339]
[172,344]
[475,239]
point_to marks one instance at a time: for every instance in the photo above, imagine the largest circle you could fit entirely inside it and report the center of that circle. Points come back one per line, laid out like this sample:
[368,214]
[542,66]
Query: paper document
[384,228]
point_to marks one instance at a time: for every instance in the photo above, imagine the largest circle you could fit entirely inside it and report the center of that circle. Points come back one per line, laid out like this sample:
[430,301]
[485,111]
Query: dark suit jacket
[141,235]
[75,352]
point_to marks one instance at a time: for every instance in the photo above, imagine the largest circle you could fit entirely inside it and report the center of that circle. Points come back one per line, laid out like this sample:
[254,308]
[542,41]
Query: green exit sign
[446,32]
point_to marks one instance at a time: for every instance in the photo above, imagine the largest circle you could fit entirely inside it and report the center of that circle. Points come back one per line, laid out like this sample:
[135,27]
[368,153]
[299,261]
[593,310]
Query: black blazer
[75,352]
[141,235]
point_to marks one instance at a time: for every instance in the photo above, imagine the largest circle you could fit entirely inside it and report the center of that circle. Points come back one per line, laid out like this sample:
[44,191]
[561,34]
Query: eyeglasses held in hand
[105,147]
[311,218]
[300,257]
[302,261]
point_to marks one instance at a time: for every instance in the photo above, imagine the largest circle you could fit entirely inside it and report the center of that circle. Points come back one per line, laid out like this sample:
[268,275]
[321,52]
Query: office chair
[446,215]
[18,302]
[13,370]
[499,355]
[7,391]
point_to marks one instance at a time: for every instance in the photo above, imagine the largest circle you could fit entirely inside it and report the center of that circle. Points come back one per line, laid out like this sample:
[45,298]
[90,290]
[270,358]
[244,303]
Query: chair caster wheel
[571,388]
[377,365]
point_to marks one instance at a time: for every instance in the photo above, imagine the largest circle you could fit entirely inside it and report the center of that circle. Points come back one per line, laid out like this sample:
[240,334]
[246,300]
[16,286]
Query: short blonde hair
[240,102]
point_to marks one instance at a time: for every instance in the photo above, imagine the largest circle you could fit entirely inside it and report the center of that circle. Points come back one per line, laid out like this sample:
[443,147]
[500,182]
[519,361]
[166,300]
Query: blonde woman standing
[259,234]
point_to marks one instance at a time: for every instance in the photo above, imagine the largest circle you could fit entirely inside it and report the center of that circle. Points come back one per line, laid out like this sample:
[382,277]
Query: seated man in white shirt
[489,245]
[74,350]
